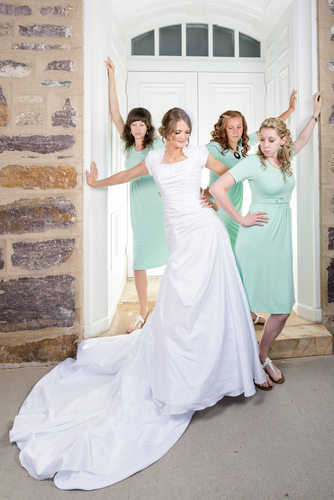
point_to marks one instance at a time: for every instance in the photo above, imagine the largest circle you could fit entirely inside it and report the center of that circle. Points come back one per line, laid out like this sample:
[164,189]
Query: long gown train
[127,399]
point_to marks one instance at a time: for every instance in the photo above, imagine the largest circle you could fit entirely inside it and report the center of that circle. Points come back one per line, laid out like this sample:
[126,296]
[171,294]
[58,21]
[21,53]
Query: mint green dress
[264,253]
[236,192]
[146,208]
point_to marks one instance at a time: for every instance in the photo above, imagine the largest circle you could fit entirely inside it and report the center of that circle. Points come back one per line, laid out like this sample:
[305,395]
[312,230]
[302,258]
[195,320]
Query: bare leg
[141,287]
[273,327]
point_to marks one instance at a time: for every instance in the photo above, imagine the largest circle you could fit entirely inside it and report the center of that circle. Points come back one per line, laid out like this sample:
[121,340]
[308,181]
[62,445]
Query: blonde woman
[264,247]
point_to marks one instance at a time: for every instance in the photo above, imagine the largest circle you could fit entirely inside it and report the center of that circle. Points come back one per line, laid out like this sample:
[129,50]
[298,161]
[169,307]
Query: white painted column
[308,303]
[102,283]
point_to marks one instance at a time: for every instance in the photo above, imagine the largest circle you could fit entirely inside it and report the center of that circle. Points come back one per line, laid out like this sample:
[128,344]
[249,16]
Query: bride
[125,400]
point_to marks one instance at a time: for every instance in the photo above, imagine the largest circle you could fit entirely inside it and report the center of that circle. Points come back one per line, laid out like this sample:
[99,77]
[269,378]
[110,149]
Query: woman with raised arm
[149,242]
[264,243]
[127,399]
[230,144]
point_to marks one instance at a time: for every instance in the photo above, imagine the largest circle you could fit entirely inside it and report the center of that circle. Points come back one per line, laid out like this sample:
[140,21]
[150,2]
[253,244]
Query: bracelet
[242,221]
[315,118]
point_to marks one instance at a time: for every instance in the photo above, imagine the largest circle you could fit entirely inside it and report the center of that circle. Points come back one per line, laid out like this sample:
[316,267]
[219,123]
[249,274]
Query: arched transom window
[195,39]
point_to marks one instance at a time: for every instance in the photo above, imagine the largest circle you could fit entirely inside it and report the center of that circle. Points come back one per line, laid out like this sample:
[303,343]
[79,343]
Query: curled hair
[285,151]
[170,119]
[141,115]
[219,133]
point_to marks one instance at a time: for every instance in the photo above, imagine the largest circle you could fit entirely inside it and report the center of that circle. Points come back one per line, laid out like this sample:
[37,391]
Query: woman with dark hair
[264,243]
[230,143]
[149,242]
[126,400]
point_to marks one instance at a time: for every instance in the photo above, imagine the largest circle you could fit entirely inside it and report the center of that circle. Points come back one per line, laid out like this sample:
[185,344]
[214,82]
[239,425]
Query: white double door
[206,95]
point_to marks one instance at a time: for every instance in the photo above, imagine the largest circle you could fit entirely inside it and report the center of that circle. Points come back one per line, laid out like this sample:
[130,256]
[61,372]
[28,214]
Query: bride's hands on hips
[255,219]
[206,203]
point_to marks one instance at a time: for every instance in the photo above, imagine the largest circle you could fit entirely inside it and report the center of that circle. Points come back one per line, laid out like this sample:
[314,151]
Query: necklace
[236,153]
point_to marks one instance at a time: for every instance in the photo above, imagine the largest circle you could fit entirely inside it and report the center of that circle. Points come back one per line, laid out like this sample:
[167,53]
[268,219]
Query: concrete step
[299,337]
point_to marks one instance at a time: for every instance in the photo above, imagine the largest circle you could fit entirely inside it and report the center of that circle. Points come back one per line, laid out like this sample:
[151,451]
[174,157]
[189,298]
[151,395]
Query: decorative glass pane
[143,45]
[223,41]
[249,47]
[170,41]
[197,40]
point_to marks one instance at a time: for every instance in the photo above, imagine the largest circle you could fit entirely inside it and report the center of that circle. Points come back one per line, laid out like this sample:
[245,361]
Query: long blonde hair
[285,151]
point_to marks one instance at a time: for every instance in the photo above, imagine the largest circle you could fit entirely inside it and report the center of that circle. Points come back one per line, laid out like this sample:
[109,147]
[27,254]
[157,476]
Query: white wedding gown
[127,399]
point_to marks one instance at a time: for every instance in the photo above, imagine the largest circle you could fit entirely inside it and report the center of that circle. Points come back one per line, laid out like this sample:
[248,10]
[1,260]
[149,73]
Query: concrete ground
[274,445]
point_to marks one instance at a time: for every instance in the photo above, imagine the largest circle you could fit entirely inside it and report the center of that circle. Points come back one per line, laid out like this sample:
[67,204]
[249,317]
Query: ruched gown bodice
[127,399]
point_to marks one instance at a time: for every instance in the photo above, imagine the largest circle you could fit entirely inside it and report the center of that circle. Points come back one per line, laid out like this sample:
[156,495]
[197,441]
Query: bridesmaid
[230,144]
[149,244]
[264,243]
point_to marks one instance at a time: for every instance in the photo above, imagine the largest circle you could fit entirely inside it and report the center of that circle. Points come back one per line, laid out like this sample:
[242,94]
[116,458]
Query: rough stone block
[30,99]
[41,254]
[331,238]
[331,5]
[330,281]
[40,46]
[43,144]
[38,176]
[63,65]
[57,10]
[332,33]
[67,117]
[5,29]
[2,262]
[29,118]
[331,64]
[42,350]
[46,30]
[3,109]
[35,303]
[330,162]
[331,118]
[56,83]
[37,215]
[15,10]
[14,69]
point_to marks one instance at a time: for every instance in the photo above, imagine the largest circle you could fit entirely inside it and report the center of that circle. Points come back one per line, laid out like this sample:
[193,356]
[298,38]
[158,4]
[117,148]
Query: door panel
[219,92]
[160,91]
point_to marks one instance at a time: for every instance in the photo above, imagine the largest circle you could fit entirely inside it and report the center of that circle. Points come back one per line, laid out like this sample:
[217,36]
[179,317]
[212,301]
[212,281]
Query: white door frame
[308,294]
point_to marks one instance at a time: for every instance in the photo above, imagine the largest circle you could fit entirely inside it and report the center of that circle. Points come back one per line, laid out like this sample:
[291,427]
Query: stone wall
[41,108]
[326,84]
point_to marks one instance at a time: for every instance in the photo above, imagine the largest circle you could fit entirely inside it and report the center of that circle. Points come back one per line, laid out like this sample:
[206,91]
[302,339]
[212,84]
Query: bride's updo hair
[170,119]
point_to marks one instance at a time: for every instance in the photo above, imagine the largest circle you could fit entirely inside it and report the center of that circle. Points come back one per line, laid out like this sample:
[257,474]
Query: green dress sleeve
[253,139]
[246,169]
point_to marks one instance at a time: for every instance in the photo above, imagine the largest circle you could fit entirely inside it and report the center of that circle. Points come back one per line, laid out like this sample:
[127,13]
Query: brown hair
[170,119]
[285,151]
[219,133]
[142,115]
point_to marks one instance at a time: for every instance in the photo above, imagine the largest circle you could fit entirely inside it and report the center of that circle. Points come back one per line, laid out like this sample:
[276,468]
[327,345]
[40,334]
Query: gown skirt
[127,399]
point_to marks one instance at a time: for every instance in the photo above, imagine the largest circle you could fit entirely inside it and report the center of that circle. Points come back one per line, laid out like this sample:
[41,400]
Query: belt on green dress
[272,199]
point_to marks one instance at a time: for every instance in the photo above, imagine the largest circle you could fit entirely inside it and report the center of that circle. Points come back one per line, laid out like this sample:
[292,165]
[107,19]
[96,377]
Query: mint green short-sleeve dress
[264,253]
[236,192]
[146,208]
